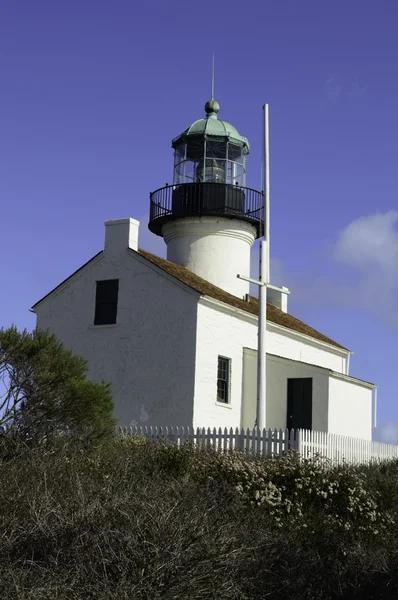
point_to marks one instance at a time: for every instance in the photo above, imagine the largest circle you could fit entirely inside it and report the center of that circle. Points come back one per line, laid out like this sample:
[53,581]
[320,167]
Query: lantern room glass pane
[180,153]
[190,175]
[195,149]
[179,173]
[239,176]
[216,149]
[235,152]
[209,159]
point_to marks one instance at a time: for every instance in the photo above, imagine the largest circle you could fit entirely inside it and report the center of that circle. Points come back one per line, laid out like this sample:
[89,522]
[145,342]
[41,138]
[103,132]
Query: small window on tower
[223,379]
[106,302]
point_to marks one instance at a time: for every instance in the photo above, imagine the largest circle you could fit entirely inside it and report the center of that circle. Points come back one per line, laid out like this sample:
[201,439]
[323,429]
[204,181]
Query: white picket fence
[272,442]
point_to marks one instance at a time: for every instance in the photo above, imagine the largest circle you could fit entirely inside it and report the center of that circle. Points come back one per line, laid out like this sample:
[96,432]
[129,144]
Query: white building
[177,338]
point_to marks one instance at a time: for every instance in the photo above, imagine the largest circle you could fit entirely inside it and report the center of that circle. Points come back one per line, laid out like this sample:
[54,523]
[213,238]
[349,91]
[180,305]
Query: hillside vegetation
[134,519]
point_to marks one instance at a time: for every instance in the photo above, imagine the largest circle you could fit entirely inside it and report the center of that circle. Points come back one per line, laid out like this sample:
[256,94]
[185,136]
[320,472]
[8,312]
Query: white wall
[295,348]
[350,408]
[221,333]
[215,249]
[279,370]
[149,355]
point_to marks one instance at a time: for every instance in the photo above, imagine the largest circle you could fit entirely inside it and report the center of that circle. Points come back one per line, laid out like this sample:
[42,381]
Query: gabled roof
[203,287]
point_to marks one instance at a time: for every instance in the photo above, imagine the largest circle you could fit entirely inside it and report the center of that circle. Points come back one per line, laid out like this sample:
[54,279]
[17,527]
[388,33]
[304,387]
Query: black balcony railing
[206,199]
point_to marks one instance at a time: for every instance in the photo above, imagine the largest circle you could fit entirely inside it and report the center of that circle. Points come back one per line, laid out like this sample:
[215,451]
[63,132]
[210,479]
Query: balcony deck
[206,199]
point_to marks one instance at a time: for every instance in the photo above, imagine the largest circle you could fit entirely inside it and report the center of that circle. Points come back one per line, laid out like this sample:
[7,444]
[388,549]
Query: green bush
[47,390]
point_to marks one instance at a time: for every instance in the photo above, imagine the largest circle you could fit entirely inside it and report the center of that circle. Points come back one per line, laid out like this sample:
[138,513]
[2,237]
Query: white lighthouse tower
[208,218]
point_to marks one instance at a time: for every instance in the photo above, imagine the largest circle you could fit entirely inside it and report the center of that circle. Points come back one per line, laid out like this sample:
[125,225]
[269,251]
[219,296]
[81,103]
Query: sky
[93,92]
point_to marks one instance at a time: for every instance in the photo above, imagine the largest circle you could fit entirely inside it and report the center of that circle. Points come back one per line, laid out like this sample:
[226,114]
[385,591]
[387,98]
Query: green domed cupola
[209,176]
[210,150]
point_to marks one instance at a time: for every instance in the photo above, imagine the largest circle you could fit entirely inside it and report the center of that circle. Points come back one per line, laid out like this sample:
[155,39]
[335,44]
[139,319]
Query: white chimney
[121,234]
[277,298]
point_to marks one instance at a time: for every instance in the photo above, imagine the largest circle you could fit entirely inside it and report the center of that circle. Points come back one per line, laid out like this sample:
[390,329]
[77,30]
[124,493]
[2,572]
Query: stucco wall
[163,329]
[215,249]
[350,408]
[225,334]
[219,334]
[295,349]
[279,370]
[149,355]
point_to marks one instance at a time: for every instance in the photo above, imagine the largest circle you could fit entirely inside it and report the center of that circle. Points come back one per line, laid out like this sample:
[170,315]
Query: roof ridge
[205,288]
[274,314]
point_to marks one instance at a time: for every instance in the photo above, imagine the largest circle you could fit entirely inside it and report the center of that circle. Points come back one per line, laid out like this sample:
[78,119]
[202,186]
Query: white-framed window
[223,380]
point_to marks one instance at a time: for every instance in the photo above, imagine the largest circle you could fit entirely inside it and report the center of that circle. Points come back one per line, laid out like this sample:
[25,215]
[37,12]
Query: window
[106,302]
[223,379]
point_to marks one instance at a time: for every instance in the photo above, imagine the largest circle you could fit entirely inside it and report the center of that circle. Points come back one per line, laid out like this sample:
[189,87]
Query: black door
[299,403]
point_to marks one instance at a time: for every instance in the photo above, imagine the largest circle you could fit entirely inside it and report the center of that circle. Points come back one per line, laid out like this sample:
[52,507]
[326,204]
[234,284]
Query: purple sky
[93,92]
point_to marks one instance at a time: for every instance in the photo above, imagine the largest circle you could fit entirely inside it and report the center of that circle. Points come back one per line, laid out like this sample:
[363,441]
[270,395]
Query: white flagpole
[264,279]
[266,190]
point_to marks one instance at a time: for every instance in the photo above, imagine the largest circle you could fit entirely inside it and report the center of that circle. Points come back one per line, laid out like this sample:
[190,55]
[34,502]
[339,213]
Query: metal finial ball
[212,106]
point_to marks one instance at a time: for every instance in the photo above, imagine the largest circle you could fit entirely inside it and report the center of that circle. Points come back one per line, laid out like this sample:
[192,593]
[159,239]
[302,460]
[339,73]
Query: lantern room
[209,178]
[210,150]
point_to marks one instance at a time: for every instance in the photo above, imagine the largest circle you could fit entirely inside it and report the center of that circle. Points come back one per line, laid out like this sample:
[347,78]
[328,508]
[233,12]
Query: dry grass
[131,521]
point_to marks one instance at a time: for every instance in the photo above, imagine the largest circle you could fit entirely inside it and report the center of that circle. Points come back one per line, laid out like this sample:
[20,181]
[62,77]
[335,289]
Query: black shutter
[223,373]
[106,302]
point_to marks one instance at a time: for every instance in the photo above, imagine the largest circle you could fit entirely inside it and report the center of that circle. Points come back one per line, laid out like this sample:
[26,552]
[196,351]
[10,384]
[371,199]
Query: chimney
[278,299]
[121,234]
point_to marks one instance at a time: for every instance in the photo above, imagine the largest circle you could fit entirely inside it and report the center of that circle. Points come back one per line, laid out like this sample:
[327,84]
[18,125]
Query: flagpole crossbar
[283,290]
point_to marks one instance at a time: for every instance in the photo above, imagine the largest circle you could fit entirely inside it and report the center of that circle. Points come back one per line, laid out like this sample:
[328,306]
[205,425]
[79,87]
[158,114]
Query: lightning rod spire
[212,80]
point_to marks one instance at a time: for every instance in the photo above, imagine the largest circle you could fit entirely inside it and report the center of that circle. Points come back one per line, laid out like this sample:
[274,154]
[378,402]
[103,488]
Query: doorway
[299,403]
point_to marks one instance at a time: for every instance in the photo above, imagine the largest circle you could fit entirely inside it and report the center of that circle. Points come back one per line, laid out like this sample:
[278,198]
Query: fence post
[240,439]
[298,443]
[269,442]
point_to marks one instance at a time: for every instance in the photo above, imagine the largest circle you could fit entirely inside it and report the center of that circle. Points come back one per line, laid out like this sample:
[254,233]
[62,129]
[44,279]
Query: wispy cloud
[335,89]
[370,242]
[364,258]
[356,89]
[364,273]
[387,432]
[369,247]
[332,89]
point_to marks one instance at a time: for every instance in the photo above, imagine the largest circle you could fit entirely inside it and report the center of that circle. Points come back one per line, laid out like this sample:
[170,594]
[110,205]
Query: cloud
[370,242]
[368,246]
[356,89]
[387,432]
[360,270]
[332,88]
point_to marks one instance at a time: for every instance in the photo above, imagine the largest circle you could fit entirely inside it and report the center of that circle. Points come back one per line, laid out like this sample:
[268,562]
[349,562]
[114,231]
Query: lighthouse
[208,218]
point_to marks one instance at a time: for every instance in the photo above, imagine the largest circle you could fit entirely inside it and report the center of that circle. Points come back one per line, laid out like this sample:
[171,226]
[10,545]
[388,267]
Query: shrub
[47,390]
[290,489]
[134,518]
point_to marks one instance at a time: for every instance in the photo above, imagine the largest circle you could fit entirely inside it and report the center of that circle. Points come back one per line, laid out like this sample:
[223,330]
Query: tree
[46,389]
